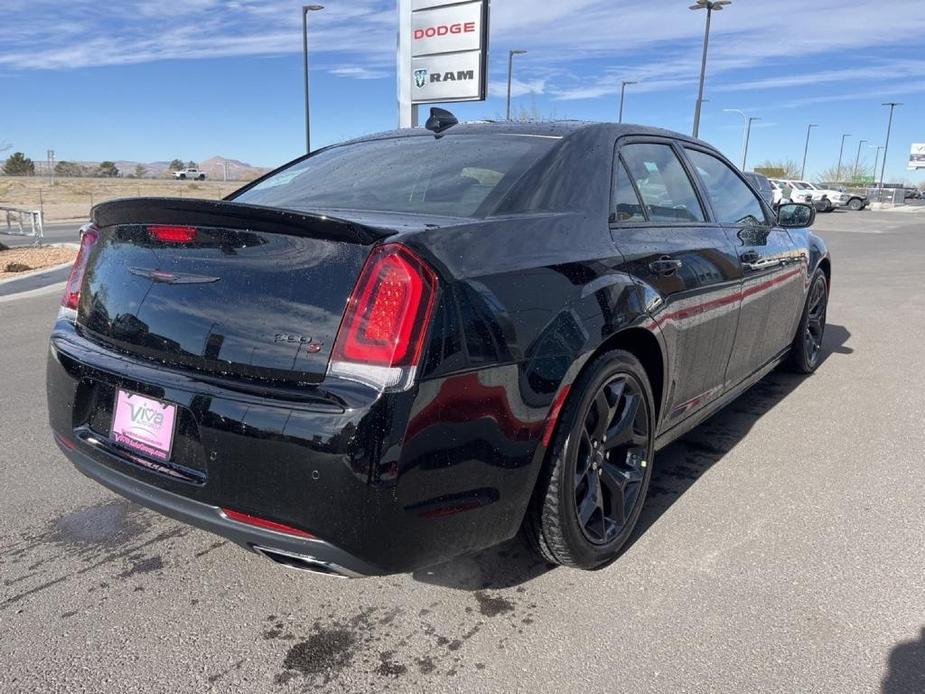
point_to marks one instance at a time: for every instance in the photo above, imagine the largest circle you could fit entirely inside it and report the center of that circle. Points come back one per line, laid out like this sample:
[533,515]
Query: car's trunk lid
[257,293]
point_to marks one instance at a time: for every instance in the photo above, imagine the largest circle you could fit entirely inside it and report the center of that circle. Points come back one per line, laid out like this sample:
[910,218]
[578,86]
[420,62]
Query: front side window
[456,175]
[733,201]
[666,190]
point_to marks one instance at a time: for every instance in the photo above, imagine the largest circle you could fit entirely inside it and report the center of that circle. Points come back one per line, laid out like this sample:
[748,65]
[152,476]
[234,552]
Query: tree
[107,169]
[786,168]
[192,165]
[19,165]
[140,171]
[175,165]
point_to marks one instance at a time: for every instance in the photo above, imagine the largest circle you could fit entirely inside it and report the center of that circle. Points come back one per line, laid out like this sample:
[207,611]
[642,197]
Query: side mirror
[795,215]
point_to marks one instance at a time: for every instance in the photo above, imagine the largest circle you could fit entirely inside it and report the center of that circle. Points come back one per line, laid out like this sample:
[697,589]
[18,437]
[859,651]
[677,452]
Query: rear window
[461,176]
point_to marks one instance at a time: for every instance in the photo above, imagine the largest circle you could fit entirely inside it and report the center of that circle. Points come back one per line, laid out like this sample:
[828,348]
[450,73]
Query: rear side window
[626,205]
[456,175]
[733,201]
[666,190]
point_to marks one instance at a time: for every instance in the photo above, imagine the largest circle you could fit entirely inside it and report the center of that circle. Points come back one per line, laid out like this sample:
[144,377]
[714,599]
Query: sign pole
[407,112]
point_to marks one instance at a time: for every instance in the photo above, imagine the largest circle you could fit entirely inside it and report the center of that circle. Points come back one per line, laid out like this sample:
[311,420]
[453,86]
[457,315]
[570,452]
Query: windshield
[462,176]
[801,186]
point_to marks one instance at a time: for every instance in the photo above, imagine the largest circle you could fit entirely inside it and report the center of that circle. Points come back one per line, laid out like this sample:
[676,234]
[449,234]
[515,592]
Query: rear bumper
[387,483]
[325,557]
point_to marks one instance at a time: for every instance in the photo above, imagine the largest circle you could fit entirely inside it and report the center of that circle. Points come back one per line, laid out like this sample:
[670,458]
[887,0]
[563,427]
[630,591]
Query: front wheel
[594,481]
[202,177]
[855,204]
[182,177]
[806,349]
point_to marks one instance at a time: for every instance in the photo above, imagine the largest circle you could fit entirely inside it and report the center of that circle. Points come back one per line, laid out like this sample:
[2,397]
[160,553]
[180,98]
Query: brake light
[381,338]
[88,237]
[258,522]
[166,233]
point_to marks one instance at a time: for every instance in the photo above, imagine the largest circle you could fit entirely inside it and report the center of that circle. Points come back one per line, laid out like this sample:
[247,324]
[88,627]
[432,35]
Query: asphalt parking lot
[782,549]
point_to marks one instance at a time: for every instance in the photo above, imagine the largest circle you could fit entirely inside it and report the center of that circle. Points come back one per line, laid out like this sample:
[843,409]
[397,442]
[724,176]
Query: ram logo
[458,76]
[420,78]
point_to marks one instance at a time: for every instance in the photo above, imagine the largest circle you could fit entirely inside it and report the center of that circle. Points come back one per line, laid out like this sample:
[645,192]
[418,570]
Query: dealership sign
[917,157]
[443,47]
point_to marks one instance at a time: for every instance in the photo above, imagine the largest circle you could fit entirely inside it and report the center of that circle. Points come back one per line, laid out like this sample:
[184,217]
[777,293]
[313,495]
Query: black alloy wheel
[591,490]
[806,351]
[611,459]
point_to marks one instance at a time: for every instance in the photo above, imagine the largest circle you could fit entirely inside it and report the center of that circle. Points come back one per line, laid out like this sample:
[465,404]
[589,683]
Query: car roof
[557,128]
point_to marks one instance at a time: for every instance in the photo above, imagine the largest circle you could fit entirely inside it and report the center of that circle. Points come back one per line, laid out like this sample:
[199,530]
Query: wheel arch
[645,346]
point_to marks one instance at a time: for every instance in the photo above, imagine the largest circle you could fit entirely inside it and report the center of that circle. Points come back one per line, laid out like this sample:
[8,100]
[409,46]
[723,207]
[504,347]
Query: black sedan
[414,345]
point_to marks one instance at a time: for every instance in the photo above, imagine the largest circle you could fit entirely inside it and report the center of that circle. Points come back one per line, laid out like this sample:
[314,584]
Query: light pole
[857,159]
[879,148]
[510,73]
[806,149]
[886,146]
[748,136]
[623,96]
[710,6]
[840,153]
[744,131]
[305,10]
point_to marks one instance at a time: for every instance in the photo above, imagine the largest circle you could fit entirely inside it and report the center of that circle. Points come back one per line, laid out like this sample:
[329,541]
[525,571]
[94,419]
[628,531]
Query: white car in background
[825,199]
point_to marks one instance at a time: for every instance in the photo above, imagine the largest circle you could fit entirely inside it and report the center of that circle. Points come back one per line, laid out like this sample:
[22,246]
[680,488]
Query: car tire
[829,207]
[593,484]
[806,350]
[202,177]
[182,177]
[856,204]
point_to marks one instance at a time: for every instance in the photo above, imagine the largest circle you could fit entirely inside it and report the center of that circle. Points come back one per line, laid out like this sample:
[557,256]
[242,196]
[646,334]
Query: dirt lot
[16,261]
[71,198]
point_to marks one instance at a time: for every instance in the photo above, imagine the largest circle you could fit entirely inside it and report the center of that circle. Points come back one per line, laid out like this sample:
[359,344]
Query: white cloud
[755,45]
[360,73]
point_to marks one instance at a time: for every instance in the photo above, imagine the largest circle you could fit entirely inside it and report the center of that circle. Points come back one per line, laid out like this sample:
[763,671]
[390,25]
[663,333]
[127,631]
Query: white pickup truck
[825,199]
[192,174]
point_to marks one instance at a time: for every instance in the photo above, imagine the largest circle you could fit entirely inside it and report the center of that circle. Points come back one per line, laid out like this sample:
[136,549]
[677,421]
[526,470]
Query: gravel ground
[782,549]
[16,261]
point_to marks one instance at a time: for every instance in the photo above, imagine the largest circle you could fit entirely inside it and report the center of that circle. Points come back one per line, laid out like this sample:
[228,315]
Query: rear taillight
[381,337]
[89,235]
[169,233]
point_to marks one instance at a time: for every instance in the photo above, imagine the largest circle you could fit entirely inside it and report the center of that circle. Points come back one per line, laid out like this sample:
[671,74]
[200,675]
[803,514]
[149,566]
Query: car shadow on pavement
[681,464]
[676,470]
[906,669]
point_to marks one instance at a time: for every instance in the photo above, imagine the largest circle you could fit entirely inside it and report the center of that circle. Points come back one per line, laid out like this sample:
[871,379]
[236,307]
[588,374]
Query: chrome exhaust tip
[302,562]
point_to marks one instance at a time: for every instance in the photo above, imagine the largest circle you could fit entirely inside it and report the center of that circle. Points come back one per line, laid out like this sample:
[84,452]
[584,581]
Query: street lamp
[886,147]
[857,160]
[879,148]
[510,72]
[806,149]
[623,86]
[840,153]
[710,6]
[744,133]
[305,10]
[748,136]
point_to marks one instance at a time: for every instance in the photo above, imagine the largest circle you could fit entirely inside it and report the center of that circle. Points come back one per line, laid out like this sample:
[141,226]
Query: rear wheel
[182,177]
[202,177]
[855,204]
[807,345]
[593,485]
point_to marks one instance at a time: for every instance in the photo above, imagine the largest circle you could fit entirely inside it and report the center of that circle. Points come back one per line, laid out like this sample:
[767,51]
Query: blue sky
[127,79]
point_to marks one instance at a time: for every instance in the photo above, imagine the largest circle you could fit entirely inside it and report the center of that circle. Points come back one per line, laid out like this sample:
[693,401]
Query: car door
[686,264]
[773,276]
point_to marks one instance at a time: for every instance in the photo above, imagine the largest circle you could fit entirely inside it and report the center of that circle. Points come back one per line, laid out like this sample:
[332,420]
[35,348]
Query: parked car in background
[191,174]
[762,184]
[824,199]
[913,194]
[413,345]
[857,199]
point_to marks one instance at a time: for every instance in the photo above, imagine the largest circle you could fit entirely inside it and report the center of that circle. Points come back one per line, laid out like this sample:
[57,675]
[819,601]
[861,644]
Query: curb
[34,273]
[41,291]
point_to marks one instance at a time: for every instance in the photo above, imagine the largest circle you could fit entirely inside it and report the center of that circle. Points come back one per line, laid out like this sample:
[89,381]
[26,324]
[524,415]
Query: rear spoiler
[234,215]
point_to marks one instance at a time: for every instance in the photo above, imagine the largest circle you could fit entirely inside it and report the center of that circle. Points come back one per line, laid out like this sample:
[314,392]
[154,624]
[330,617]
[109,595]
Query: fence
[888,196]
[15,216]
